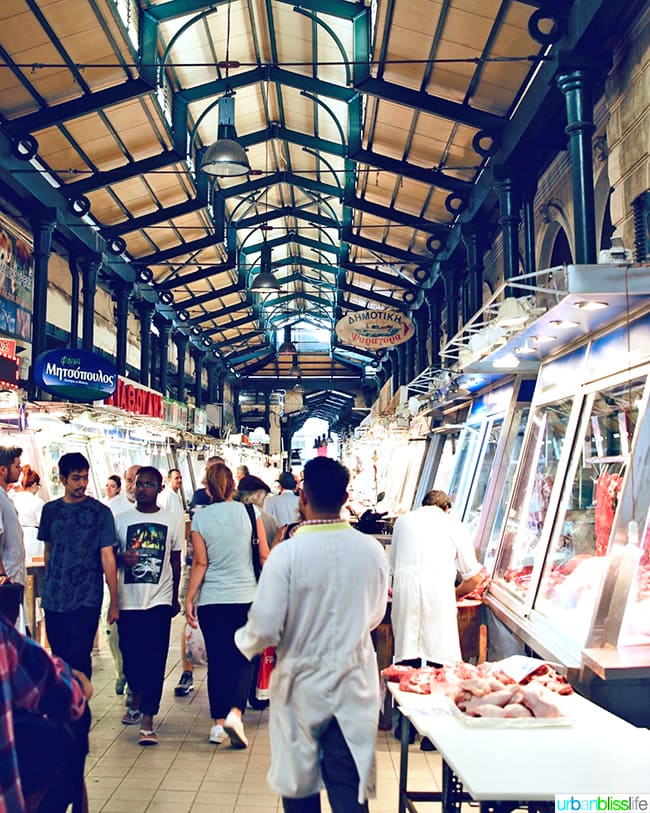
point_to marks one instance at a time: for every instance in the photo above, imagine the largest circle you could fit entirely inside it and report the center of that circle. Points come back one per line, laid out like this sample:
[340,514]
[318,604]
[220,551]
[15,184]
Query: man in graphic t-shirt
[149,567]
[79,535]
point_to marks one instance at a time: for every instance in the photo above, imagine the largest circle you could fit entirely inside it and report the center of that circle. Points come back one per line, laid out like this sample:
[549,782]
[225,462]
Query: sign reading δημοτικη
[76,375]
[375,329]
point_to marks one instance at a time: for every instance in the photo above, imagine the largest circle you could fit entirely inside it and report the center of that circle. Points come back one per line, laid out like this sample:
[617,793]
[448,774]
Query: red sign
[135,399]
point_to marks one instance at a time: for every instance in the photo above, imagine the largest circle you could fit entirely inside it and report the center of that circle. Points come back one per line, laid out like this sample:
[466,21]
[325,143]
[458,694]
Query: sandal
[131,717]
[148,737]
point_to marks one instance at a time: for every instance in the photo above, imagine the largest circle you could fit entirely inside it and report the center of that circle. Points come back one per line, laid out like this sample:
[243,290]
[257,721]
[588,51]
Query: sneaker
[185,685]
[234,728]
[132,717]
[120,685]
[217,734]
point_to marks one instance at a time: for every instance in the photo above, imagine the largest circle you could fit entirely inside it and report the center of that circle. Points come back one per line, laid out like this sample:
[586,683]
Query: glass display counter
[572,571]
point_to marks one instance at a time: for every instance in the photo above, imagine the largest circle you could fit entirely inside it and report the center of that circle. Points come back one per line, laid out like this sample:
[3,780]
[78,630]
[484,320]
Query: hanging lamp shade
[226,158]
[287,347]
[295,371]
[265,281]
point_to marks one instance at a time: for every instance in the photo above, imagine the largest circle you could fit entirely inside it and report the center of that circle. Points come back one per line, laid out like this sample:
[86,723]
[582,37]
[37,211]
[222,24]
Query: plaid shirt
[31,680]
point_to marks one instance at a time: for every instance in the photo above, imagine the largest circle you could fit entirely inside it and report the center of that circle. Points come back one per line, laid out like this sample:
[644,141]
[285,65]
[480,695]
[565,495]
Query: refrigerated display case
[572,573]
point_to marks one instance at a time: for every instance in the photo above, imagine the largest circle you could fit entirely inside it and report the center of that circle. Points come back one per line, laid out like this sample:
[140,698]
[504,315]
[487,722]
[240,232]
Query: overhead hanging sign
[75,375]
[136,399]
[375,329]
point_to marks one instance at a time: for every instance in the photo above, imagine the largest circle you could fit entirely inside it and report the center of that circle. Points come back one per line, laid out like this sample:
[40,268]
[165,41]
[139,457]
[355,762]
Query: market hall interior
[432,236]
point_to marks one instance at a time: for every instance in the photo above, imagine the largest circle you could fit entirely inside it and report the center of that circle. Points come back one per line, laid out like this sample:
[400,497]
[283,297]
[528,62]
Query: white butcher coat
[428,545]
[320,594]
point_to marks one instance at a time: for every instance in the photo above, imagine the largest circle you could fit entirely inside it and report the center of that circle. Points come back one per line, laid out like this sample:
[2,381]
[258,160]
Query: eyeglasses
[140,484]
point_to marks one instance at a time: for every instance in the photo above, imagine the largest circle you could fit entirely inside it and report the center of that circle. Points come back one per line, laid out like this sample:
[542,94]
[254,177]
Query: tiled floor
[186,773]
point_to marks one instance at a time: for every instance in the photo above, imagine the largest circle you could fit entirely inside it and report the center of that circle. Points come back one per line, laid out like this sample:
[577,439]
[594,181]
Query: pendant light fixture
[226,158]
[265,281]
[295,371]
[287,347]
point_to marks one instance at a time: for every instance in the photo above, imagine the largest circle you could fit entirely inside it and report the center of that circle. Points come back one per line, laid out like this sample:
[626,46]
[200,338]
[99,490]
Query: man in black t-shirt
[79,536]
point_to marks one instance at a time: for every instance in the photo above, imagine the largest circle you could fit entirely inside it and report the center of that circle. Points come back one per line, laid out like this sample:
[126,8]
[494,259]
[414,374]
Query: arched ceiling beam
[205,272]
[218,293]
[368,294]
[397,216]
[373,273]
[383,248]
[245,320]
[403,96]
[237,306]
[180,8]
[244,337]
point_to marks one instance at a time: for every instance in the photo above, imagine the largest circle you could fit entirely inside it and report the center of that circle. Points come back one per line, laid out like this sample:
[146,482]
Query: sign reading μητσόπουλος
[78,375]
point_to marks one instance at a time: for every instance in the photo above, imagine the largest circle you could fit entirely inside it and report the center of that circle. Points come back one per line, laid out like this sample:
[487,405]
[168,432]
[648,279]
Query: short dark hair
[325,482]
[72,461]
[171,471]
[116,479]
[150,471]
[439,498]
[8,454]
[252,484]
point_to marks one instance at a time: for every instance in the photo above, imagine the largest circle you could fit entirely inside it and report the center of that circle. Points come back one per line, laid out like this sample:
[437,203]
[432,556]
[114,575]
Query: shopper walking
[150,543]
[321,593]
[29,506]
[199,500]
[283,507]
[115,498]
[79,535]
[221,588]
[12,547]
[428,546]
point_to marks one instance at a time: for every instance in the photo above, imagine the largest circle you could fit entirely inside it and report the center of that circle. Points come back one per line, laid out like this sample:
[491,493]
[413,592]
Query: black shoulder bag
[255,542]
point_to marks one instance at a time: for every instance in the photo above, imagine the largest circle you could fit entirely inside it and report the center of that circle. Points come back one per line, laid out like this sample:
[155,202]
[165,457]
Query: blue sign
[75,375]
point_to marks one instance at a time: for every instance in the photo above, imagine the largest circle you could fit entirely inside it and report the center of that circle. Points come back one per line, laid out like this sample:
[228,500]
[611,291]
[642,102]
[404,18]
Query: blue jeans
[340,776]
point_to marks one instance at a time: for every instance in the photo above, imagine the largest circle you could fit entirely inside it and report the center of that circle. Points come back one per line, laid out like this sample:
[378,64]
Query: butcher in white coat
[320,594]
[428,546]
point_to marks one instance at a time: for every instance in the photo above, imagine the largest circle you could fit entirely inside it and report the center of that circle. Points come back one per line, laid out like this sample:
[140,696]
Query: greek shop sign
[76,375]
[375,329]
[136,399]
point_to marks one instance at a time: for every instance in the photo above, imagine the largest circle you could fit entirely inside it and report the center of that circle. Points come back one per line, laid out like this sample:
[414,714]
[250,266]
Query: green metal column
[121,291]
[145,310]
[576,84]
[199,356]
[509,204]
[180,340]
[165,328]
[73,264]
[450,276]
[43,228]
[435,297]
[475,239]
[91,262]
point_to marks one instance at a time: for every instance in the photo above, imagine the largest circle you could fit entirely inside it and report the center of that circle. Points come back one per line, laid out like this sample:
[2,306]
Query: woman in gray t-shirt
[219,594]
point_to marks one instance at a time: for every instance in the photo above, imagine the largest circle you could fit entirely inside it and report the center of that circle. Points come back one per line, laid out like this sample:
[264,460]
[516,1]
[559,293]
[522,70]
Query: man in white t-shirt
[149,557]
[171,497]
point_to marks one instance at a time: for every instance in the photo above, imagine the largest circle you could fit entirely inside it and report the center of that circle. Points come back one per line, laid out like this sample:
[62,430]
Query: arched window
[561,253]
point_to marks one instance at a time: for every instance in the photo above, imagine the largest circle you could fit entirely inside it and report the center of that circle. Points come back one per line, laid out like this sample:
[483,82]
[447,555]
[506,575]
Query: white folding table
[503,768]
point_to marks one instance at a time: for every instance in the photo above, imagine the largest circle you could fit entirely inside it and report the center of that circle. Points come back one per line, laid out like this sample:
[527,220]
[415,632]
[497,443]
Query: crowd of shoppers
[322,590]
